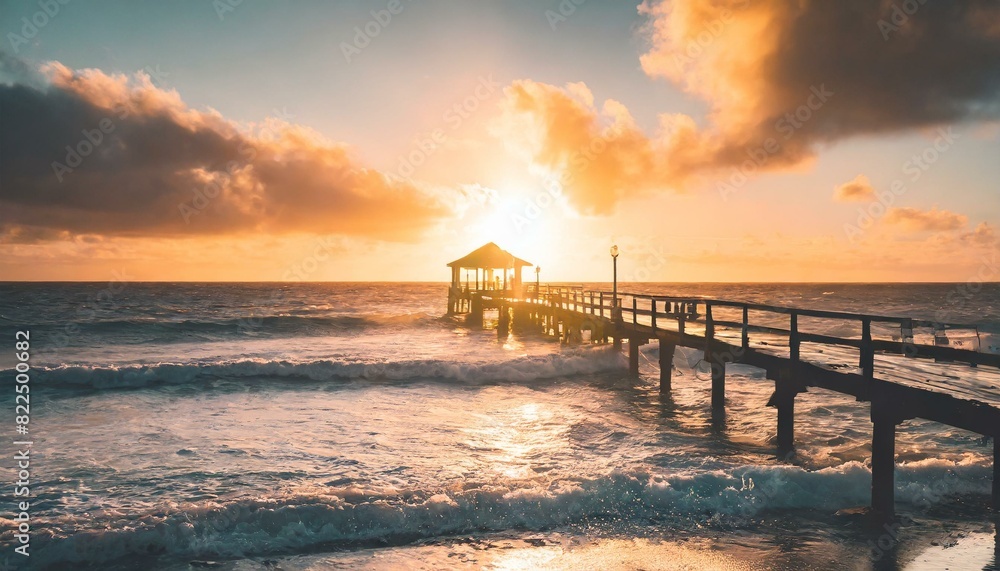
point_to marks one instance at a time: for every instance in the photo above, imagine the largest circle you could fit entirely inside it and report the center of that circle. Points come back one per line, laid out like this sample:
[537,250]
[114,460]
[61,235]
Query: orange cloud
[982,235]
[598,156]
[933,220]
[93,153]
[781,78]
[857,190]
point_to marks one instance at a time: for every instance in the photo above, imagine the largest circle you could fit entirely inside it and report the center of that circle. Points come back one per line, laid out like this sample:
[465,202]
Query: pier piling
[884,422]
[996,474]
[714,358]
[784,400]
[666,365]
[633,356]
[718,367]
[503,321]
[786,424]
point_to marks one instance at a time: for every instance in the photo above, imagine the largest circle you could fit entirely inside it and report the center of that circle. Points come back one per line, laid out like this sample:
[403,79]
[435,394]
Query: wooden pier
[869,365]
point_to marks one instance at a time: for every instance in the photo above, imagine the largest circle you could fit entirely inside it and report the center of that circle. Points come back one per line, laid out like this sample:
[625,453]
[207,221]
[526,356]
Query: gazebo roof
[489,256]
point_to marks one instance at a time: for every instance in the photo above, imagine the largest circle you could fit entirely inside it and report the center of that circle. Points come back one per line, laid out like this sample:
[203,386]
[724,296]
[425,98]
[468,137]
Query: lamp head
[538,269]
[614,251]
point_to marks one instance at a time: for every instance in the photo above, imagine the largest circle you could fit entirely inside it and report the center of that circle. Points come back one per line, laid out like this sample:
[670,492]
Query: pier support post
[718,380]
[666,365]
[783,399]
[503,321]
[519,320]
[786,424]
[996,474]
[475,316]
[633,357]
[884,421]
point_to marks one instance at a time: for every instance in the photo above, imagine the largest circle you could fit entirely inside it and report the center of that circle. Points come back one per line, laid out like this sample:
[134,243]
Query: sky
[724,140]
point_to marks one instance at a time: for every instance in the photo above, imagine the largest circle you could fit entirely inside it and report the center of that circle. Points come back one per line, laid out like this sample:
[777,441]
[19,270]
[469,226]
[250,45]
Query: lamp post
[538,270]
[614,294]
[616,312]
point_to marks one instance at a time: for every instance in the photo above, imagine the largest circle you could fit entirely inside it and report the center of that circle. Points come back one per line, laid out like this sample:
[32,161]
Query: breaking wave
[520,369]
[327,516]
[142,330]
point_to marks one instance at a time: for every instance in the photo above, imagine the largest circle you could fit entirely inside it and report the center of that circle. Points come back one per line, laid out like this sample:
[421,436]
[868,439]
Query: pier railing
[712,317]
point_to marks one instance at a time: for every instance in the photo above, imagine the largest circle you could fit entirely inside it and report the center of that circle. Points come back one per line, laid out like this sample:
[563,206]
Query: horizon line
[445,282]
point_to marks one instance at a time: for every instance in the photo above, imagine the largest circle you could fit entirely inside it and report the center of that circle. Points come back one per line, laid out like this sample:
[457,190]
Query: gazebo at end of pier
[497,272]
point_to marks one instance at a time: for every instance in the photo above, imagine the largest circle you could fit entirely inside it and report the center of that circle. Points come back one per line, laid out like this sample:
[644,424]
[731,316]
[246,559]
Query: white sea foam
[352,516]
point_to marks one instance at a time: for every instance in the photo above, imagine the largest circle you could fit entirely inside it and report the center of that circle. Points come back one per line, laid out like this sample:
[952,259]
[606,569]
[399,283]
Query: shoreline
[953,545]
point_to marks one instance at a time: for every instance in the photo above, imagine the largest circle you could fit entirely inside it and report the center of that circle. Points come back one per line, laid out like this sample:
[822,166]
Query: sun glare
[518,220]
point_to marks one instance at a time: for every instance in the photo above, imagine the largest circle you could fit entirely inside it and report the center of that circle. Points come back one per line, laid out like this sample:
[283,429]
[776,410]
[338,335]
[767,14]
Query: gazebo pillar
[453,291]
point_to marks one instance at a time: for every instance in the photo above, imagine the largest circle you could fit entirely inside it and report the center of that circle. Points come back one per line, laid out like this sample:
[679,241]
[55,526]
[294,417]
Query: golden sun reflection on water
[514,441]
[636,554]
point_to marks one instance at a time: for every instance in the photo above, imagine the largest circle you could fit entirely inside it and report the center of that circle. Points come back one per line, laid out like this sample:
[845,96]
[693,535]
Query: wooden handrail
[820,313]
[683,309]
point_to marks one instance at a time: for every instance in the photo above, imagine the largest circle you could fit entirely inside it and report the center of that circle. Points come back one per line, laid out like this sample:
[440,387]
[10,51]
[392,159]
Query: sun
[518,220]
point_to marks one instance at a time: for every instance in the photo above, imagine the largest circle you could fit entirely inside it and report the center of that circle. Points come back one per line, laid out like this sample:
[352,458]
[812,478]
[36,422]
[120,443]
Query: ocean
[304,426]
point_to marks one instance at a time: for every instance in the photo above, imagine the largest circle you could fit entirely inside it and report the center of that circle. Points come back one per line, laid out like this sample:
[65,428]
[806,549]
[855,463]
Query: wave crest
[520,369]
[320,516]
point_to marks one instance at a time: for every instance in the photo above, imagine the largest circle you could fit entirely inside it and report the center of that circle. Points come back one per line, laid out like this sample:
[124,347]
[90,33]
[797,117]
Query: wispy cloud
[857,190]
[982,235]
[933,220]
